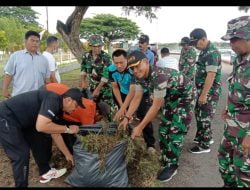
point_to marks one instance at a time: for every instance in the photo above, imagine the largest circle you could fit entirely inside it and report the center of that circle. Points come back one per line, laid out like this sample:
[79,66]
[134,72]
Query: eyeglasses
[141,42]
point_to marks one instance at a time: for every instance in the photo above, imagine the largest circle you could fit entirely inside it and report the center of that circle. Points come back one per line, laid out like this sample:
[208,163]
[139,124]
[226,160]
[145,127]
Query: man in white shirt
[52,47]
[167,61]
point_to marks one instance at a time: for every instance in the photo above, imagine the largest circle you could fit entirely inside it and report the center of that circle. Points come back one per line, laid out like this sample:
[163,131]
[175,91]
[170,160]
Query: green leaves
[110,27]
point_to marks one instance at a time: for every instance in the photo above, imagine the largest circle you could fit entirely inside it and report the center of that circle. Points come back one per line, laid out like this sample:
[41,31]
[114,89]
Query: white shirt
[168,62]
[52,65]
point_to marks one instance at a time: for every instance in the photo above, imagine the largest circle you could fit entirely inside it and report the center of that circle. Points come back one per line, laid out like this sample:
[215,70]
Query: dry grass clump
[142,167]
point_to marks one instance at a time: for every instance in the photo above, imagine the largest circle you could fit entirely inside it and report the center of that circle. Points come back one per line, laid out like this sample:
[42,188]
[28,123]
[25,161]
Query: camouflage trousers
[204,114]
[106,96]
[175,118]
[234,164]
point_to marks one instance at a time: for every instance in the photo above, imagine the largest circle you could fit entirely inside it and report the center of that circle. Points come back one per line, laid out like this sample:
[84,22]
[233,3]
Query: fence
[65,60]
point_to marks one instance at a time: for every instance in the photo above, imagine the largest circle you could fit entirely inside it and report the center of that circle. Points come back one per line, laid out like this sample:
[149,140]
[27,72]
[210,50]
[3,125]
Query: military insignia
[132,58]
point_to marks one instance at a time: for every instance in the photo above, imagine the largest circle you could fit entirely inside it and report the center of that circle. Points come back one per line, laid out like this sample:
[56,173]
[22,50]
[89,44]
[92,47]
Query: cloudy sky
[172,24]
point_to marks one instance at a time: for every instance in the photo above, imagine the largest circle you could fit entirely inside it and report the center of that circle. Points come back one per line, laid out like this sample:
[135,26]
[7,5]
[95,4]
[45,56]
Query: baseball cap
[239,28]
[144,38]
[135,57]
[76,95]
[185,40]
[196,35]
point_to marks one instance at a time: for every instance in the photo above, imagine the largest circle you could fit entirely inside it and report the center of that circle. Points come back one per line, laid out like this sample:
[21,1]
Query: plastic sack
[87,173]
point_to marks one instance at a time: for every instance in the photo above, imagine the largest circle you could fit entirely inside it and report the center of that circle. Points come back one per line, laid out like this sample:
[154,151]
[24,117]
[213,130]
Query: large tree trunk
[71,31]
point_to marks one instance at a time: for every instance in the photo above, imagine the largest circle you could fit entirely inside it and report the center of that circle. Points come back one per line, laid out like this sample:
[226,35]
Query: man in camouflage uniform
[208,85]
[234,150]
[187,59]
[94,72]
[172,93]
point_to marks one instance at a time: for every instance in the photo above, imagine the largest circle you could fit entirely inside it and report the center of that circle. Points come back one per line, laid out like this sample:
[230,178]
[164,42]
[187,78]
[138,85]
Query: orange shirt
[83,115]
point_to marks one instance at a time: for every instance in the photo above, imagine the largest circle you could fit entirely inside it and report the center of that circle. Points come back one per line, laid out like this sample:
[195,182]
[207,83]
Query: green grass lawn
[71,79]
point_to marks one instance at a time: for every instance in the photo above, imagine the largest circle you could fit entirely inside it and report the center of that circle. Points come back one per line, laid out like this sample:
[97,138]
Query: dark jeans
[148,133]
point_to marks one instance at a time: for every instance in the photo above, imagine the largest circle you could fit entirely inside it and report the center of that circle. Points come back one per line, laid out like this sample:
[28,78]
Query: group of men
[134,84]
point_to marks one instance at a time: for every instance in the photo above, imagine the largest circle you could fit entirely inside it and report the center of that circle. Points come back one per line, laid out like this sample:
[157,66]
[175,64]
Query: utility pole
[47,21]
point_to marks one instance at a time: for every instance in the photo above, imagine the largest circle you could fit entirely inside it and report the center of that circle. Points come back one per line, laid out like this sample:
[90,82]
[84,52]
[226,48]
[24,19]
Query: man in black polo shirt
[38,109]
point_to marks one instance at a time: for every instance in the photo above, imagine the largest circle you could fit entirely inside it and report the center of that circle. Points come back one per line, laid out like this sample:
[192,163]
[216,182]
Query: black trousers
[15,146]
[148,133]
[41,145]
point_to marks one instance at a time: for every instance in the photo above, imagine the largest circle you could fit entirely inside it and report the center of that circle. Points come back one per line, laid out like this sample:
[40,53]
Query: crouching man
[173,93]
[37,109]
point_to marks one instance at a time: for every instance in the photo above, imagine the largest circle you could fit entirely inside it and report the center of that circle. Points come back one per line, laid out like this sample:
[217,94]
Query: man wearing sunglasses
[208,85]
[143,47]
[172,93]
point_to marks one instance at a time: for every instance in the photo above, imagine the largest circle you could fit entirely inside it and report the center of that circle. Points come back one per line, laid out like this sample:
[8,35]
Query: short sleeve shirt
[43,102]
[124,79]
[239,91]
[29,72]
[98,69]
[209,60]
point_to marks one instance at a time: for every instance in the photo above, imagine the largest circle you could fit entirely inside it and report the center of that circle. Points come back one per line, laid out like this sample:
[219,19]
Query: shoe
[198,149]
[52,174]
[210,142]
[167,173]
[151,150]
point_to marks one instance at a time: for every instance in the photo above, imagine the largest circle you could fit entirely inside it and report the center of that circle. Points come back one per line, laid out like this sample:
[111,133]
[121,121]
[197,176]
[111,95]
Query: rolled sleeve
[159,93]
[211,68]
[104,80]
[138,87]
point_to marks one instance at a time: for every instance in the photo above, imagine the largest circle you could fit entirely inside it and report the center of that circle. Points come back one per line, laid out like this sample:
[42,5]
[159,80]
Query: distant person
[52,47]
[234,149]
[208,85]
[167,61]
[28,69]
[187,59]
[144,47]
[156,57]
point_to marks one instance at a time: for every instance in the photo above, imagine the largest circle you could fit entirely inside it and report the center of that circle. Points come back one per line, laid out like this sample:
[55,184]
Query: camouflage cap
[185,40]
[95,40]
[238,27]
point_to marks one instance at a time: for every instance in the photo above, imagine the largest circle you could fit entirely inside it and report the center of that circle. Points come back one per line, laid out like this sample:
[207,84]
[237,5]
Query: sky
[173,22]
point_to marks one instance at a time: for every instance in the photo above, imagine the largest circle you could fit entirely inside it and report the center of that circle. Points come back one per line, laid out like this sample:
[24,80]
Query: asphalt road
[201,170]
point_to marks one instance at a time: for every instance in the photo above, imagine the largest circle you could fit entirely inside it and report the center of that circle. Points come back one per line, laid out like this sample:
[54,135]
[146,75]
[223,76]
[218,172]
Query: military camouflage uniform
[187,62]
[97,71]
[177,91]
[209,60]
[234,164]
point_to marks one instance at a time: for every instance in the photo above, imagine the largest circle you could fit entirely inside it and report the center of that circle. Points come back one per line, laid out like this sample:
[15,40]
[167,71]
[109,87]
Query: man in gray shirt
[28,69]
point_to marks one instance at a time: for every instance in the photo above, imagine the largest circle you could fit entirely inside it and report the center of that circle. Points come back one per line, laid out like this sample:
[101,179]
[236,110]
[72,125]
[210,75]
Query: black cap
[196,35]
[135,57]
[185,40]
[76,95]
[144,38]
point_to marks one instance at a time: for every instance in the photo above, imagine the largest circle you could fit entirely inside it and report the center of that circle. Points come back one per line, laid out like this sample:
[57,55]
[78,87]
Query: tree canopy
[110,27]
[24,14]
[70,31]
